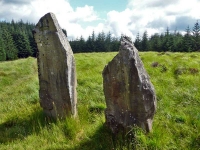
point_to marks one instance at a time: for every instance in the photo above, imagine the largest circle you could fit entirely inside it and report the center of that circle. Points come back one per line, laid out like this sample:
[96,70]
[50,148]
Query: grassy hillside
[176,77]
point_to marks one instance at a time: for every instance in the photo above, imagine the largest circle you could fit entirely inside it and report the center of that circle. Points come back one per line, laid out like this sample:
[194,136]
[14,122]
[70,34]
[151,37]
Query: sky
[129,17]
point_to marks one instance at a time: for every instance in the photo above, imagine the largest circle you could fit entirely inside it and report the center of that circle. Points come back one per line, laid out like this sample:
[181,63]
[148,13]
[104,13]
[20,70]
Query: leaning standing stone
[129,94]
[56,69]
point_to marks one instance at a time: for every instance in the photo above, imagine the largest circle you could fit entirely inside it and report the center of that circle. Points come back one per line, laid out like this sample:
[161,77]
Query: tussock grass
[176,77]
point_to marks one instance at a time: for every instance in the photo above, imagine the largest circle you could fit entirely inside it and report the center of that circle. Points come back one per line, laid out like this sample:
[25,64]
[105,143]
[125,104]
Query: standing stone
[129,94]
[56,69]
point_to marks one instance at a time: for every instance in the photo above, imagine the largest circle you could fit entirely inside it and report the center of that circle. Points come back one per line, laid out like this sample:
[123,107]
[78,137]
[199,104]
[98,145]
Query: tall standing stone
[56,69]
[129,94]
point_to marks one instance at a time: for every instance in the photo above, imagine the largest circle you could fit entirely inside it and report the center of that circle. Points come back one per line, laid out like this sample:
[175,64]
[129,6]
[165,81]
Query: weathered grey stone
[56,69]
[129,94]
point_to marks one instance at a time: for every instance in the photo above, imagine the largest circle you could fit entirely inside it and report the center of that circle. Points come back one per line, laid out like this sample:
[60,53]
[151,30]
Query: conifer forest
[17,41]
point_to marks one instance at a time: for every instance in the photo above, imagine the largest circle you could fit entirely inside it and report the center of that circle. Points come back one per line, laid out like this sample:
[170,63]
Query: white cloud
[59,7]
[85,13]
[69,18]
[153,16]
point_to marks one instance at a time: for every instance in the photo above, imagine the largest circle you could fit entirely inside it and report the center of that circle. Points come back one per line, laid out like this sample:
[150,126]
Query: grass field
[176,78]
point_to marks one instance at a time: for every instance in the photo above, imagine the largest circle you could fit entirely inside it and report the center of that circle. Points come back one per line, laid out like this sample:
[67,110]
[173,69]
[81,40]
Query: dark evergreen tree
[177,40]
[162,38]
[81,45]
[187,41]
[2,48]
[76,46]
[93,37]
[33,46]
[108,42]
[89,44]
[155,43]
[167,41]
[22,45]
[100,42]
[137,42]
[18,41]
[145,42]
[73,46]
[196,36]
[115,44]
[10,49]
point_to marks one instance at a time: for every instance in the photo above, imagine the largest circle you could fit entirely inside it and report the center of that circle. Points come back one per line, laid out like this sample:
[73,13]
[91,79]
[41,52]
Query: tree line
[95,43]
[17,41]
[170,41]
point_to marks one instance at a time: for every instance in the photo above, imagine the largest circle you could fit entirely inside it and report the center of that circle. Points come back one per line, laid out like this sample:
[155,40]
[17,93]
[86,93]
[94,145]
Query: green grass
[176,77]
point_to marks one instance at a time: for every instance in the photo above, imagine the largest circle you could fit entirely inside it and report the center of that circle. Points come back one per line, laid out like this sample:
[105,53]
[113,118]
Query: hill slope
[176,77]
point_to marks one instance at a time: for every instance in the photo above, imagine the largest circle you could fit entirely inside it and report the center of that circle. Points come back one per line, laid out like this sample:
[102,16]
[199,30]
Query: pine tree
[115,43]
[2,48]
[145,42]
[187,41]
[155,42]
[177,40]
[196,36]
[10,49]
[137,42]
[103,43]
[81,44]
[74,46]
[22,45]
[167,41]
[89,44]
[33,46]
[108,42]
[100,44]
[93,37]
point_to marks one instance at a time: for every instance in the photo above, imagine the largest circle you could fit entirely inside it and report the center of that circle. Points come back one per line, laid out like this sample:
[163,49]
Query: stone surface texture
[130,96]
[56,69]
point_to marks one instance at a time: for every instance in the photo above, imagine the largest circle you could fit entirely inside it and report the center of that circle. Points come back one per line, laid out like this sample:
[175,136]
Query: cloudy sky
[81,17]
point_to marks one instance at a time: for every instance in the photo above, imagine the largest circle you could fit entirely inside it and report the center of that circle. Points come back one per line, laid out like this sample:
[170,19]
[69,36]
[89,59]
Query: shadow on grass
[103,139]
[100,140]
[19,128]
